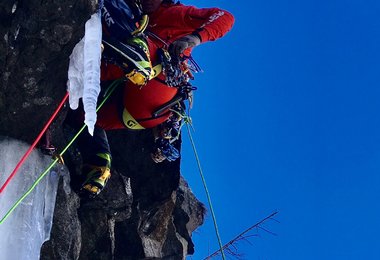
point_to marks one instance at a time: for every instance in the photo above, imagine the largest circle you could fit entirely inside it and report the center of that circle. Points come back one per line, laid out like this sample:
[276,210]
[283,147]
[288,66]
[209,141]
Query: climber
[173,30]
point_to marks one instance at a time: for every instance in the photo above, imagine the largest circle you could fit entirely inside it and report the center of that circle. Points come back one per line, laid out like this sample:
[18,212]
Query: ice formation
[29,225]
[84,70]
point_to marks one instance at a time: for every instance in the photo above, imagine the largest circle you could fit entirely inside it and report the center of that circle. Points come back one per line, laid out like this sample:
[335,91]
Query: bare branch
[231,248]
[266,230]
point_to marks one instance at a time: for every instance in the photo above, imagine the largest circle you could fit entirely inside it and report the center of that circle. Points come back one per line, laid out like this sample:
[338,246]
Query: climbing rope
[206,190]
[27,153]
[109,91]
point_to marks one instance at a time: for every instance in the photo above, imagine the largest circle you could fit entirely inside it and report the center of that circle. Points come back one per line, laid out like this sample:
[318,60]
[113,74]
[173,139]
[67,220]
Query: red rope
[22,160]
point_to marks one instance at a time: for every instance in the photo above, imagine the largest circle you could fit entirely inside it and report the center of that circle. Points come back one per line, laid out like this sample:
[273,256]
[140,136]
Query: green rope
[109,91]
[207,192]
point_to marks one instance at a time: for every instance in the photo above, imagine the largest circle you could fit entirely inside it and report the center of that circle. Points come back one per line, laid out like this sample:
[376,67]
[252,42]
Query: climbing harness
[110,90]
[36,141]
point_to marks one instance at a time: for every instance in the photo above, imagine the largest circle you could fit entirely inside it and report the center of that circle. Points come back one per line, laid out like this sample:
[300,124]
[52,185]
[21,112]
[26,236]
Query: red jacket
[170,22]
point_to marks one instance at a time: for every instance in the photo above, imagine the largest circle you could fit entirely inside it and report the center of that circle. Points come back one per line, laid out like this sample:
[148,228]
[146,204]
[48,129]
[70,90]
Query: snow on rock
[29,225]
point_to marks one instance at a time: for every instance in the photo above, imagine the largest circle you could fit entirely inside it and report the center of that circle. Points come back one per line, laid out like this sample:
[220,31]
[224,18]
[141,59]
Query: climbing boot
[96,180]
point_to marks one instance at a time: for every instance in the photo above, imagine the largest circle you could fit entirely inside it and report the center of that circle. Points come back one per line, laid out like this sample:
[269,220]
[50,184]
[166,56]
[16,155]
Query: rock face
[147,211]
[36,39]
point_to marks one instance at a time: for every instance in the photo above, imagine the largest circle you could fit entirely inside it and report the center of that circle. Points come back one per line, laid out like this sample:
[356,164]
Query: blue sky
[287,118]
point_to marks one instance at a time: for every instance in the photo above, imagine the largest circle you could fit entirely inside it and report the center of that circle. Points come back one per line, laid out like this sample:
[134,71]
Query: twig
[242,236]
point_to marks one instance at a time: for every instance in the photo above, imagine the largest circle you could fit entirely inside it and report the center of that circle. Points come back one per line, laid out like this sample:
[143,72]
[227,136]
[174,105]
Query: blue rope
[207,192]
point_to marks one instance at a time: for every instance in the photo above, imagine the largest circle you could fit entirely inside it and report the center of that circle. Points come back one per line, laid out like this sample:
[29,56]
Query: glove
[188,41]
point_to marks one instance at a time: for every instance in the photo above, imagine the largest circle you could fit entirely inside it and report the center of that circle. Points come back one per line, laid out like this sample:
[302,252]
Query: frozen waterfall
[29,225]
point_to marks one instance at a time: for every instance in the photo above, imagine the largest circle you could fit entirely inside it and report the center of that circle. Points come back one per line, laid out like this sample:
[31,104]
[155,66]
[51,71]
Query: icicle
[14,7]
[92,55]
[84,71]
[75,75]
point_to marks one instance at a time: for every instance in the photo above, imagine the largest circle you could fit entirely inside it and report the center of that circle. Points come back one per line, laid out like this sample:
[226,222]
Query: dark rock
[36,38]
[65,241]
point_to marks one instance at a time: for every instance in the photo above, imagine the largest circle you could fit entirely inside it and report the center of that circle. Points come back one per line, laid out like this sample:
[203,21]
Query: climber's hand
[188,41]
